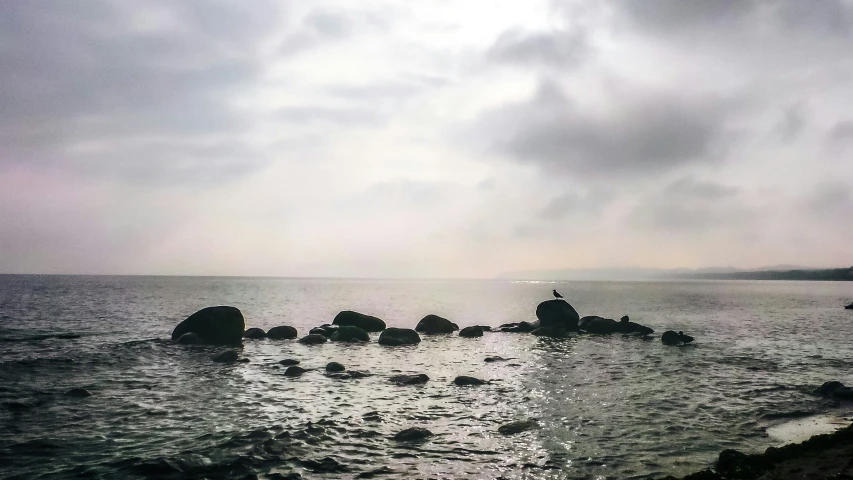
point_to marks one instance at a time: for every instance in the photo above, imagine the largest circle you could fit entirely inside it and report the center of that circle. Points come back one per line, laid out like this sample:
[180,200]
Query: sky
[435,139]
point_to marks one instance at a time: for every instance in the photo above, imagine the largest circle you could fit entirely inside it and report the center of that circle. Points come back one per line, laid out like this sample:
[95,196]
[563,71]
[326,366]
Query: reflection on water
[606,406]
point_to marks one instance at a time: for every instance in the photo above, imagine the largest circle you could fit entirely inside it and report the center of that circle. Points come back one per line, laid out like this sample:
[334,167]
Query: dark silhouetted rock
[835,389]
[352,374]
[215,325]
[520,327]
[225,357]
[414,434]
[313,339]
[335,367]
[849,307]
[484,328]
[409,379]
[289,361]
[517,427]
[354,319]
[255,333]
[464,381]
[557,314]
[282,332]
[350,334]
[320,331]
[294,371]
[78,393]
[471,332]
[605,326]
[495,359]
[190,338]
[399,336]
[435,325]
[675,338]
[685,338]
[17,406]
[624,318]
[549,332]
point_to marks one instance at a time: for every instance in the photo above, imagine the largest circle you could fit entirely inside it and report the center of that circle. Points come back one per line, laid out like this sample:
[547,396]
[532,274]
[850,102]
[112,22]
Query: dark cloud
[560,49]
[792,124]
[830,200]
[573,204]
[841,132]
[326,26]
[640,134]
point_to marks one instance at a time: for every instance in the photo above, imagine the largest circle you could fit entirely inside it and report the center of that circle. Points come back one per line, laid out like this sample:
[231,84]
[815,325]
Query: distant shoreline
[800,274]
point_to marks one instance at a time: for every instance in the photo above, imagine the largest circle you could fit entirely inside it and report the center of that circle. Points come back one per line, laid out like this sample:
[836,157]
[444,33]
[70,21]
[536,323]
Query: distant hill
[780,272]
[825,274]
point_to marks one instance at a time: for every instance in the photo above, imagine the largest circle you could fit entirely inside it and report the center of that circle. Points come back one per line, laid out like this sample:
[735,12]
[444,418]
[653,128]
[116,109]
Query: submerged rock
[670,337]
[393,336]
[190,338]
[255,333]
[225,357]
[517,427]
[409,379]
[367,323]
[495,359]
[78,393]
[222,325]
[335,367]
[471,332]
[350,334]
[414,434]
[557,314]
[520,327]
[282,332]
[465,381]
[312,339]
[434,325]
[352,374]
[835,389]
[294,371]
[550,332]
[289,362]
[849,307]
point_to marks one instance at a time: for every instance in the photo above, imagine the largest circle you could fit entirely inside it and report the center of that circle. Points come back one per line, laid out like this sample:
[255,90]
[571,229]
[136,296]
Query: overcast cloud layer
[423,139]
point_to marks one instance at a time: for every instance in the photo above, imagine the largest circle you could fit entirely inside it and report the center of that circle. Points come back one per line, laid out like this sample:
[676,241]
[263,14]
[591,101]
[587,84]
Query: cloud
[573,204]
[841,132]
[352,116]
[559,49]
[643,134]
[792,124]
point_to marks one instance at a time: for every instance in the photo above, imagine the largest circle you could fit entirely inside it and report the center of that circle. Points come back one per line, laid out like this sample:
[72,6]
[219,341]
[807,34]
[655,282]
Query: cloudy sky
[446,138]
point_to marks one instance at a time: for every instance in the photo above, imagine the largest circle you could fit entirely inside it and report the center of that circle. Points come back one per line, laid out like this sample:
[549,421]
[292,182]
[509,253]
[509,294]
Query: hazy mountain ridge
[779,272]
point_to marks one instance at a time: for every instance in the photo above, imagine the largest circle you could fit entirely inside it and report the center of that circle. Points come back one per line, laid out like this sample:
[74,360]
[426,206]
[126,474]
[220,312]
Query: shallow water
[607,407]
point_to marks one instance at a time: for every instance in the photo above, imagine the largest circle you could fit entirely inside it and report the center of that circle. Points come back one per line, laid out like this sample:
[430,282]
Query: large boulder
[354,319]
[414,434]
[471,332]
[418,379]
[214,325]
[350,334]
[255,333]
[599,325]
[433,325]
[283,332]
[835,389]
[557,314]
[520,327]
[670,337]
[190,338]
[399,336]
[312,339]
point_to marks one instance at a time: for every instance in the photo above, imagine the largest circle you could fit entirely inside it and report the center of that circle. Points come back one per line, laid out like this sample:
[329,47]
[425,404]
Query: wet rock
[294,371]
[367,323]
[255,333]
[326,465]
[495,359]
[605,326]
[190,338]
[549,332]
[243,360]
[375,472]
[335,367]
[434,325]
[351,375]
[520,327]
[221,325]
[282,332]
[471,332]
[485,328]
[835,389]
[289,361]
[414,434]
[78,393]
[464,380]
[557,313]
[321,331]
[409,379]
[225,357]
[517,427]
[849,307]
[393,336]
[670,337]
[312,339]
[350,334]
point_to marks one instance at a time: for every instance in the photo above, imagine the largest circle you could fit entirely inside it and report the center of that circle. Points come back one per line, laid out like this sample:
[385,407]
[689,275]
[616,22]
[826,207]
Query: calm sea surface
[607,407]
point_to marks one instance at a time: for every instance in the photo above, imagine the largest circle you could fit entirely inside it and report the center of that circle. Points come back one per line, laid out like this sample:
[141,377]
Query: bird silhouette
[557,295]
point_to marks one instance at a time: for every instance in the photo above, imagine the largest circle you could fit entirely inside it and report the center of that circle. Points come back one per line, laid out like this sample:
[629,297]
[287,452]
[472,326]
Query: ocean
[605,406]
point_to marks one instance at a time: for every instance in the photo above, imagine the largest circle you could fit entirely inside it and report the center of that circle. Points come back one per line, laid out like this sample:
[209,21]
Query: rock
[214,325]
[294,371]
[409,379]
[557,313]
[320,331]
[685,338]
[549,332]
[624,318]
[434,325]
[289,361]
[670,338]
[835,389]
[399,336]
[414,434]
[225,357]
[631,327]
[313,339]
[78,393]
[190,338]
[517,427]
[520,327]
[335,367]
[495,359]
[471,332]
[605,326]
[17,406]
[484,328]
[350,334]
[352,374]
[849,307]
[255,333]
[464,381]
[367,323]
[282,332]
[734,464]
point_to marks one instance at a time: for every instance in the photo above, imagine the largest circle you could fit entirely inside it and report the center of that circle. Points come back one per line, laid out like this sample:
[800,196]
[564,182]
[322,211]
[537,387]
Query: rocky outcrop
[434,325]
[367,323]
[282,332]
[294,371]
[190,338]
[471,332]
[255,333]
[836,390]
[313,339]
[214,325]
[409,379]
[335,367]
[324,330]
[227,356]
[414,434]
[520,327]
[605,326]
[557,314]
[466,381]
[393,336]
[849,307]
[670,337]
[350,334]
[517,427]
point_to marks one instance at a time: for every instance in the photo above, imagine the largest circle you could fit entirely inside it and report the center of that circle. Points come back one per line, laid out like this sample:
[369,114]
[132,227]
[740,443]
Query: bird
[557,295]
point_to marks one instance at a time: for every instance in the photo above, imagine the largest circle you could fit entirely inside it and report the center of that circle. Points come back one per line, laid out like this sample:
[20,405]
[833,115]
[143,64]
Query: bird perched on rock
[557,295]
